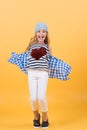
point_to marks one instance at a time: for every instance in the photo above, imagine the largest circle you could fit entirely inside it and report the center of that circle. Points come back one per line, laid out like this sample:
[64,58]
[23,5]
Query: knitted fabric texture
[41,26]
[38,53]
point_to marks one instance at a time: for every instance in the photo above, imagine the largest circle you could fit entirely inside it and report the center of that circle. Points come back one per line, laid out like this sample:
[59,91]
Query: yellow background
[67,23]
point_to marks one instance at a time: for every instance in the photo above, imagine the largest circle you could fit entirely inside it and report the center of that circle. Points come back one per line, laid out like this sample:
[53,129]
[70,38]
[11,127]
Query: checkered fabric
[57,67]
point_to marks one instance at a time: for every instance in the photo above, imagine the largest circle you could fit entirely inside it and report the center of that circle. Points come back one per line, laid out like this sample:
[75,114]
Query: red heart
[38,53]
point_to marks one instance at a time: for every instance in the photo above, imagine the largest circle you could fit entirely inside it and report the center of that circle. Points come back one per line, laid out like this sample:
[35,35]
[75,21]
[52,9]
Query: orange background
[67,23]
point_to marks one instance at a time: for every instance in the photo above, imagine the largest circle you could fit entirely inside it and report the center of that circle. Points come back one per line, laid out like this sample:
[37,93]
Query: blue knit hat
[40,26]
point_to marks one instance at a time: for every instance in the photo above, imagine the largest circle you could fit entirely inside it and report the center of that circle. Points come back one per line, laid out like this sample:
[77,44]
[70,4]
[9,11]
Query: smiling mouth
[41,37]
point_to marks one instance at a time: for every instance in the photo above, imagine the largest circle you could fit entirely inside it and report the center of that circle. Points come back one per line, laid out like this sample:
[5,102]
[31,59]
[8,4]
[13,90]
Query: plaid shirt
[57,67]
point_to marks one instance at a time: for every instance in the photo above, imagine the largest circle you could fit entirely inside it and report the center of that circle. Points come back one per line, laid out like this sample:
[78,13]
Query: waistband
[38,70]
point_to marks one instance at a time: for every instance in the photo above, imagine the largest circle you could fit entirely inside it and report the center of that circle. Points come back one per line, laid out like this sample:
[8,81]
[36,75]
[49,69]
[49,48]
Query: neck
[41,42]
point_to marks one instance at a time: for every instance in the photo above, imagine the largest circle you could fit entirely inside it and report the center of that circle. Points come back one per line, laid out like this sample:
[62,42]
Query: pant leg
[32,83]
[42,87]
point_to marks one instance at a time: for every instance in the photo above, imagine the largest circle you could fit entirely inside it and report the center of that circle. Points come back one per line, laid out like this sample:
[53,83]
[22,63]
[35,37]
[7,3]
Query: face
[41,35]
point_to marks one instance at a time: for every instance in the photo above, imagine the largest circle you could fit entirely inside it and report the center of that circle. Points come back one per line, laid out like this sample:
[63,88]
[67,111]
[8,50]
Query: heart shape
[38,53]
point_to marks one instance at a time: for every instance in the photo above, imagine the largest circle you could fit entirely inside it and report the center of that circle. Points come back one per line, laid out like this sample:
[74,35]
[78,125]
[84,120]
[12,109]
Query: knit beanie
[40,26]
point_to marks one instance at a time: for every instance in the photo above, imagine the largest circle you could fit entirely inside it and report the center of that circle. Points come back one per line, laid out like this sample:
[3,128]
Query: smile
[41,37]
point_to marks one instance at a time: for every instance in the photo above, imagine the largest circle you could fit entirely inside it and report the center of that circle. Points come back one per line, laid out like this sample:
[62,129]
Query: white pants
[37,80]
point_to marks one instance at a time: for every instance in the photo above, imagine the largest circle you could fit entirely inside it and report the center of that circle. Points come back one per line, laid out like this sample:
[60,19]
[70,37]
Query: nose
[41,31]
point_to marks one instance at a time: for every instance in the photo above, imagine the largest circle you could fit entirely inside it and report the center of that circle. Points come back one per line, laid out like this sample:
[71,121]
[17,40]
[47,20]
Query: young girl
[38,73]
[38,62]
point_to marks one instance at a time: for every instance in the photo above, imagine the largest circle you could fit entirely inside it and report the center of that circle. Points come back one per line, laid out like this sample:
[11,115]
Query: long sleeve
[21,60]
[59,68]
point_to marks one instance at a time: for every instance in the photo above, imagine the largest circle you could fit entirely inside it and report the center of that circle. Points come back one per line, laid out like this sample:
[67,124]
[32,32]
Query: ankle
[44,118]
[36,117]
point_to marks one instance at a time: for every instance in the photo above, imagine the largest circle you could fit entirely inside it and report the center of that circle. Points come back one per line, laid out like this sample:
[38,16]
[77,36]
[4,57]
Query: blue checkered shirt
[57,68]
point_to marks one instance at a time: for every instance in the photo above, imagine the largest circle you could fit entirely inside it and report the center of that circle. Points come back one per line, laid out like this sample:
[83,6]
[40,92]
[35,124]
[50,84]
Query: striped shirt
[42,62]
[57,68]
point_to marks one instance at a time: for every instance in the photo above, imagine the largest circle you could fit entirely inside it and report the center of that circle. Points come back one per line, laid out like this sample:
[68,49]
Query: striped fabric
[42,63]
[57,67]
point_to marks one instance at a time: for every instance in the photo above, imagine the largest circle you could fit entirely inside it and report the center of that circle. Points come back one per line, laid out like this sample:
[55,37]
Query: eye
[38,31]
[44,31]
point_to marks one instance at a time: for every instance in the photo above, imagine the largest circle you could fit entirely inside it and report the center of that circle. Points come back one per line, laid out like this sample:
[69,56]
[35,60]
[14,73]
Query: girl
[38,73]
[39,64]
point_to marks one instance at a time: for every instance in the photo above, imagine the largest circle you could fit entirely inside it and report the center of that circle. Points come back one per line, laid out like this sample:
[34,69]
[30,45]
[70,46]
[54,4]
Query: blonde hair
[33,40]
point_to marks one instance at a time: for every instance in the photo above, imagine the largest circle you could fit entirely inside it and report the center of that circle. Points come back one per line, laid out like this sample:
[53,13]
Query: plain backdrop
[67,24]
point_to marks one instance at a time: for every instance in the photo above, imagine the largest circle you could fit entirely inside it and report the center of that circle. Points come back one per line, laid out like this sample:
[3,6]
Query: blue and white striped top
[42,62]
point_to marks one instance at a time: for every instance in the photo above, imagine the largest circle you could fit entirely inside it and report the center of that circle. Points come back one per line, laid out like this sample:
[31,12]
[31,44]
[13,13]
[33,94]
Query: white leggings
[37,80]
